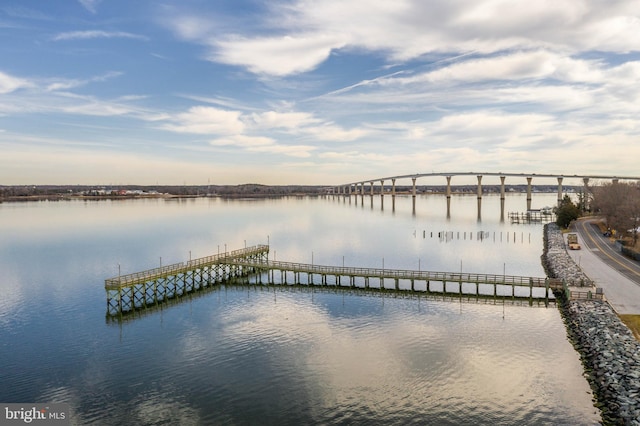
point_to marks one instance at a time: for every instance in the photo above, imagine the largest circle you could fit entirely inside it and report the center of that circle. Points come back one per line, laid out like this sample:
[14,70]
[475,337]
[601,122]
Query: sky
[315,92]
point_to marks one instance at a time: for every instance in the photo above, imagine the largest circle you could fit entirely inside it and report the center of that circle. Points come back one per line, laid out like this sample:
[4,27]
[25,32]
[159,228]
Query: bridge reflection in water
[250,266]
[529,216]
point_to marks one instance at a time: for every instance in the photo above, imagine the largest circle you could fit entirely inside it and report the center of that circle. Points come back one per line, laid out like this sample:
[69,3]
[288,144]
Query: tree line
[617,202]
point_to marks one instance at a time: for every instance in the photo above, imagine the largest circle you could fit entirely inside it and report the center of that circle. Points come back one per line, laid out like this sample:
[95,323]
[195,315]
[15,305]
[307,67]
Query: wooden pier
[463,283]
[127,293]
[151,288]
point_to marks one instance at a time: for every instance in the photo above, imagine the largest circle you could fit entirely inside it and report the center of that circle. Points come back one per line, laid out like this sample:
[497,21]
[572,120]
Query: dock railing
[175,268]
[396,273]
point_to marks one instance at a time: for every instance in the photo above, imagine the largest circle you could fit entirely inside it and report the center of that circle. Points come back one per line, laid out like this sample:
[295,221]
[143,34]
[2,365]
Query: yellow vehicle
[572,240]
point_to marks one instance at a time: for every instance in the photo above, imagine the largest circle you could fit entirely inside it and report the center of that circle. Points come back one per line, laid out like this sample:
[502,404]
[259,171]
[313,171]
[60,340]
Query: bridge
[151,288]
[359,187]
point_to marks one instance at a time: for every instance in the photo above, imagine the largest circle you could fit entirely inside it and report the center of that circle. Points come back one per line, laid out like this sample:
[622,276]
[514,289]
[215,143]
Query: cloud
[244,141]
[263,144]
[300,151]
[276,56]
[10,84]
[47,97]
[191,27]
[304,123]
[207,120]
[26,13]
[535,80]
[286,120]
[67,84]
[331,132]
[494,128]
[532,65]
[296,37]
[239,129]
[90,5]
[93,34]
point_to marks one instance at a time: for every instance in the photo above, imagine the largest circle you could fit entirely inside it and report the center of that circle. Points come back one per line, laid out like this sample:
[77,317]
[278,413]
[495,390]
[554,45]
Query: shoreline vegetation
[87,192]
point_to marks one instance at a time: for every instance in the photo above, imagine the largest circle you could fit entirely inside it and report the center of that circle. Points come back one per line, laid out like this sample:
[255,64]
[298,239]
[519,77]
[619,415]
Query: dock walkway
[251,265]
[393,274]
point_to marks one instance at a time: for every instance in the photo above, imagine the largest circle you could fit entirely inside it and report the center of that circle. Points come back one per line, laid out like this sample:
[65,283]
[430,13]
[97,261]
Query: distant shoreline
[116,197]
[24,193]
[75,197]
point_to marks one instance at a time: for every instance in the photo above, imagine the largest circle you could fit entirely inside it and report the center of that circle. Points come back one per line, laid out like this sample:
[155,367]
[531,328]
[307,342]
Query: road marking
[584,228]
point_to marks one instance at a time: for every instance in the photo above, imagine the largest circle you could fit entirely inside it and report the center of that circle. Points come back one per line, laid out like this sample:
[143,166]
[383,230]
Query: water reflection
[243,356]
[383,360]
[512,200]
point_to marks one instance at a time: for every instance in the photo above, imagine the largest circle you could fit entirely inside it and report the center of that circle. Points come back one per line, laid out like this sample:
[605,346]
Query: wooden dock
[127,293]
[150,288]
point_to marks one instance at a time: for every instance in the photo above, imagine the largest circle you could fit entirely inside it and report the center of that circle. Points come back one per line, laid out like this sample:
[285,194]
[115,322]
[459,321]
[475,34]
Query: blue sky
[315,92]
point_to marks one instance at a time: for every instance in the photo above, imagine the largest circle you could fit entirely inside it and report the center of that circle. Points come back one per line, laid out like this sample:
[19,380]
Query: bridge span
[358,188]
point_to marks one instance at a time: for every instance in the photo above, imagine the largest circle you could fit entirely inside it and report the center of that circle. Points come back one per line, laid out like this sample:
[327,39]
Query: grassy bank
[633,322]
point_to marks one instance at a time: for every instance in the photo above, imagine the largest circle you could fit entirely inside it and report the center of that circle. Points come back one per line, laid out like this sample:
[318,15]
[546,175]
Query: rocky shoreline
[609,351]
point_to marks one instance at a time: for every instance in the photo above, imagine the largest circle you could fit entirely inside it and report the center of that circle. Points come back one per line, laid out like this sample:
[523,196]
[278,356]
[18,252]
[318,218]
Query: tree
[566,212]
[619,203]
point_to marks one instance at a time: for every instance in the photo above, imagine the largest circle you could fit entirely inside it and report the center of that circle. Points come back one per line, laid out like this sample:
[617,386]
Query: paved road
[618,275]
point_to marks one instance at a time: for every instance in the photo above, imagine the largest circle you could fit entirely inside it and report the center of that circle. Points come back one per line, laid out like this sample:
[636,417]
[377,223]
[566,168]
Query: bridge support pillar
[502,198]
[559,190]
[448,193]
[393,187]
[413,192]
[371,188]
[585,199]
[479,198]
[382,188]
[529,178]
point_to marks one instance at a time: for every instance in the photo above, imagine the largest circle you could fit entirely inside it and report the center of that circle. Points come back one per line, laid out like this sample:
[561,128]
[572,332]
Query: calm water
[243,355]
